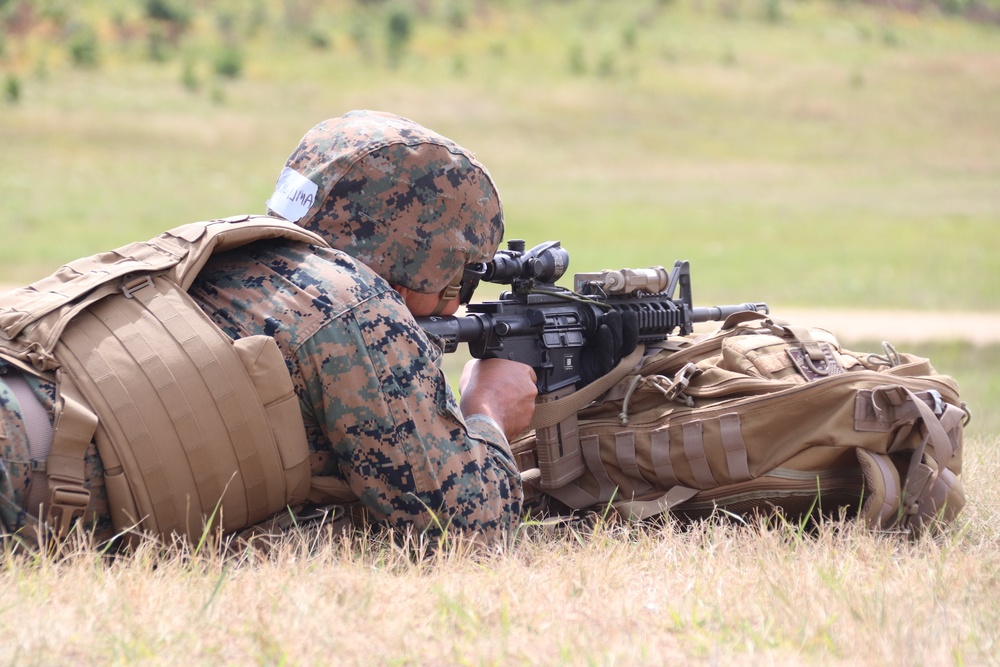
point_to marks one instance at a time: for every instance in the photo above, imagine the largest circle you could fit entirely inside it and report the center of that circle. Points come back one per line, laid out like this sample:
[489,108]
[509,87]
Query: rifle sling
[553,412]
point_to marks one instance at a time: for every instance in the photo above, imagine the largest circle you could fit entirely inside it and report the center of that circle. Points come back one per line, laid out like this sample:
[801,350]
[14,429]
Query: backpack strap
[73,429]
[553,412]
[923,486]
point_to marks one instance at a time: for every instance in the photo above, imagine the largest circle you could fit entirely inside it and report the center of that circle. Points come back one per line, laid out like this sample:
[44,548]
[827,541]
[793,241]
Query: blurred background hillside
[803,152]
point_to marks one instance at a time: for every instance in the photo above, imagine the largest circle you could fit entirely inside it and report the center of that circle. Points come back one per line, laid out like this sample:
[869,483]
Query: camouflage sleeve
[15,464]
[378,410]
[14,468]
[395,429]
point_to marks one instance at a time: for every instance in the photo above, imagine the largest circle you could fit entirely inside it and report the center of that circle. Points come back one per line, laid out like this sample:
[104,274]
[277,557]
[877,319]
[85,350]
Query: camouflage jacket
[378,410]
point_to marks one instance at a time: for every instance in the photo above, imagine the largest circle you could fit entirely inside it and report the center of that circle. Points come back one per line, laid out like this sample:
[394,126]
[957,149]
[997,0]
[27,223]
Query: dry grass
[714,593]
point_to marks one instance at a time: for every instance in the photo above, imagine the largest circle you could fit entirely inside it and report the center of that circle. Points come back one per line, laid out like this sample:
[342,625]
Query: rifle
[546,326]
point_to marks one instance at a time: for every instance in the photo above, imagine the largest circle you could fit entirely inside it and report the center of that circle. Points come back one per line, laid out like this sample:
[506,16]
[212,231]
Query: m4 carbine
[547,327]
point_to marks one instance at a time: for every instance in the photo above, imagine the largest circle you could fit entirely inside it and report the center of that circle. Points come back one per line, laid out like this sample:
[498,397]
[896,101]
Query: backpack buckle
[130,287]
[673,389]
[68,504]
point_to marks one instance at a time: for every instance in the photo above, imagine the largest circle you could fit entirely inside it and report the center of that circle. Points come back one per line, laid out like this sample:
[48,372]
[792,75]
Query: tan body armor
[194,429]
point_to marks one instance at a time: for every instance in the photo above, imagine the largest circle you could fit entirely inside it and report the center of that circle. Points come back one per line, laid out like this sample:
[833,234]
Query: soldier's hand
[501,389]
[615,338]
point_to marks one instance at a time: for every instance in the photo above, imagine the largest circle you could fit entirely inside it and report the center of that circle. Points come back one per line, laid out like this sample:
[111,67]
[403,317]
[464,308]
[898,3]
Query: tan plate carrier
[193,428]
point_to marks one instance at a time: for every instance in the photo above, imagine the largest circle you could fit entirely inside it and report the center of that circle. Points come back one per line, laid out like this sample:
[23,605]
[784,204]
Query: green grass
[844,155]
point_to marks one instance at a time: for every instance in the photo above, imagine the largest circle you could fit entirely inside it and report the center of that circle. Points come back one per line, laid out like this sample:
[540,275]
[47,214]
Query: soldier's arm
[395,429]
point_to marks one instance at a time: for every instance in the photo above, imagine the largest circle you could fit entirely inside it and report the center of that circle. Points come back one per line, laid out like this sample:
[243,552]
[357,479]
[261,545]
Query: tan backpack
[756,417]
[189,424]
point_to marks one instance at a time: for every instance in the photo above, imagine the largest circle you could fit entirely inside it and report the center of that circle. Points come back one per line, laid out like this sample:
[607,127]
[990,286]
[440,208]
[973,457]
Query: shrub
[83,47]
[158,46]
[607,65]
[458,15]
[176,12]
[577,64]
[229,62]
[400,30]
[12,89]
[773,12]
[319,39]
[189,77]
[629,37]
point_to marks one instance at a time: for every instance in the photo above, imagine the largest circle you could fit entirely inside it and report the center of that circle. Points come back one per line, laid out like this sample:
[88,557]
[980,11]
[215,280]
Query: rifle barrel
[714,313]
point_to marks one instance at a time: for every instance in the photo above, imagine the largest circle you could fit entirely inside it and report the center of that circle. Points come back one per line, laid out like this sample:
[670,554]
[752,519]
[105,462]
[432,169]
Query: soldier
[405,210]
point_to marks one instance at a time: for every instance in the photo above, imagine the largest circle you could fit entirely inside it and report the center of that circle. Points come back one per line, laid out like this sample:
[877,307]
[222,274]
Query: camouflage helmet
[411,204]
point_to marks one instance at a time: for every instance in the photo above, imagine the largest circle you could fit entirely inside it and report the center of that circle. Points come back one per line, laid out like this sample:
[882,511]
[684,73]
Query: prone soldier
[399,211]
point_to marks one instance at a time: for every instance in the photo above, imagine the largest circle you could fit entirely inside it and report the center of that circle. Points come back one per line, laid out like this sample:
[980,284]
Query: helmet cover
[411,204]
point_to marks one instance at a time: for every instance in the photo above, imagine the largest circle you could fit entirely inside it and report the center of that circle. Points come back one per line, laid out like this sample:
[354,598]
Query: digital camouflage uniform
[414,207]
[378,411]
[15,466]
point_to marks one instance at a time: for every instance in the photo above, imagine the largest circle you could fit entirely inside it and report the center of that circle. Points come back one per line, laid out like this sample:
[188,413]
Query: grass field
[807,154]
[842,155]
[712,594]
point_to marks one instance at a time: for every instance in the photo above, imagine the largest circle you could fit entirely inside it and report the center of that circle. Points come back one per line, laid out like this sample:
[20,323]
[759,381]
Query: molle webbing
[762,416]
[167,394]
[188,423]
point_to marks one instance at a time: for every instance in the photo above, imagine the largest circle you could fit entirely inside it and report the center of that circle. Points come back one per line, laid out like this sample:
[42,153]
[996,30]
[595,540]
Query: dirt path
[899,327]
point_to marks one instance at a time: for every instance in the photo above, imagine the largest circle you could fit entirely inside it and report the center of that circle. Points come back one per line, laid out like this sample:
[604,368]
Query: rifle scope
[546,263]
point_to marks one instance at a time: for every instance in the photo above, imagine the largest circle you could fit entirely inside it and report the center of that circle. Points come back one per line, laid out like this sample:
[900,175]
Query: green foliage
[189,76]
[56,11]
[955,6]
[607,65]
[890,37]
[458,15]
[630,37]
[399,31]
[176,12]
[228,61]
[12,89]
[83,47]
[158,45]
[577,63]
[773,11]
[226,24]
[319,39]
